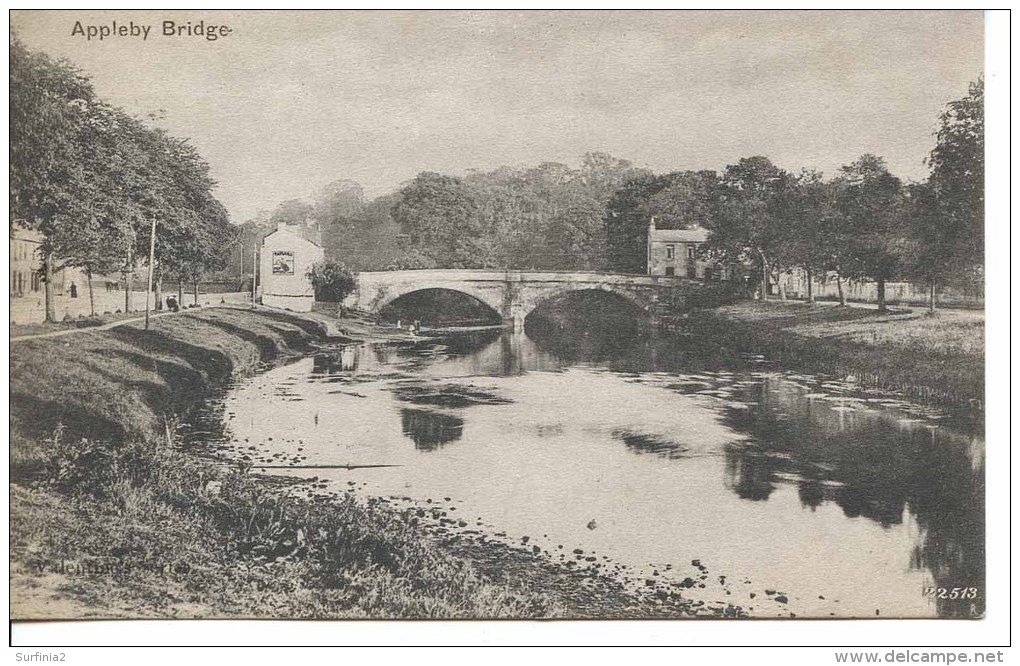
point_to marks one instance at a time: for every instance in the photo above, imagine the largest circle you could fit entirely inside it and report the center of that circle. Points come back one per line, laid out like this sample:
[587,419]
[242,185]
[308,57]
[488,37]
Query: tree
[411,260]
[332,281]
[367,241]
[339,200]
[932,244]
[687,200]
[627,218]
[49,107]
[293,212]
[752,218]
[947,213]
[679,200]
[437,216]
[807,204]
[871,216]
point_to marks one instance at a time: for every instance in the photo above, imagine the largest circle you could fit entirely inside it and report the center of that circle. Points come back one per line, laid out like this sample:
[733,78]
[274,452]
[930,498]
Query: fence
[896,293]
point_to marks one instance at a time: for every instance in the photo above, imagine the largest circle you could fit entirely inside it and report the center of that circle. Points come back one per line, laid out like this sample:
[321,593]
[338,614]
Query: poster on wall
[283,263]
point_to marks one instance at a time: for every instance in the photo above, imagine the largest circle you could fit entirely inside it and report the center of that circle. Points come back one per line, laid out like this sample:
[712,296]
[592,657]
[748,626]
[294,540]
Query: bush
[332,281]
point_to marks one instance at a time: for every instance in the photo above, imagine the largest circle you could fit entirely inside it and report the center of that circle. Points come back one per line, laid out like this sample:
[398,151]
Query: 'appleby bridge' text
[115,29]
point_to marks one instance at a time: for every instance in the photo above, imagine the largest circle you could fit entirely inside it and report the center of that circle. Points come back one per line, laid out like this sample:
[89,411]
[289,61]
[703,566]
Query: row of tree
[91,179]
[546,217]
[862,224]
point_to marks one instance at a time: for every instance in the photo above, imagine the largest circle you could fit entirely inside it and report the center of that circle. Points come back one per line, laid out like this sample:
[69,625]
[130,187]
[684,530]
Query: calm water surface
[663,460]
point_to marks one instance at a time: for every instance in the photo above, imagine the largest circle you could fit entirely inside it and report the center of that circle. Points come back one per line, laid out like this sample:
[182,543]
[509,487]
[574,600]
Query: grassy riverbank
[112,517]
[936,359]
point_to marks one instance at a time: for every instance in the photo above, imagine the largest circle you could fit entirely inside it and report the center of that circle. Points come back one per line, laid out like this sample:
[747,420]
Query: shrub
[332,281]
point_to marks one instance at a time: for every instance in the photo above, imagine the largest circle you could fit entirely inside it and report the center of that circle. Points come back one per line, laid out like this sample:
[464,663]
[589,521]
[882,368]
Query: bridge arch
[639,303]
[438,306]
[380,293]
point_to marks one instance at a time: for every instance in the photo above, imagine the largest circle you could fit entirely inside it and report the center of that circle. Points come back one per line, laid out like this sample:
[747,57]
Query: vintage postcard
[497,315]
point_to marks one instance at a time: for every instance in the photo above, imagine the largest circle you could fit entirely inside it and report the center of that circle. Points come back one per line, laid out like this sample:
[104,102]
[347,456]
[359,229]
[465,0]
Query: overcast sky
[291,101]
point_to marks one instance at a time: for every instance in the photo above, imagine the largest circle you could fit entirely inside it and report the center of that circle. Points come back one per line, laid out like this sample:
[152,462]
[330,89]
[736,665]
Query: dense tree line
[547,217]
[864,223]
[90,178]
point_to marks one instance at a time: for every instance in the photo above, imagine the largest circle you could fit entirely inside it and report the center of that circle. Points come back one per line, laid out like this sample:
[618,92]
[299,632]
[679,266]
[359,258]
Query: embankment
[112,517]
[933,359]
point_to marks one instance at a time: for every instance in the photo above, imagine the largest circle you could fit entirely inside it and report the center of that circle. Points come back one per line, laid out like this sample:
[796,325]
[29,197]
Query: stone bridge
[515,294]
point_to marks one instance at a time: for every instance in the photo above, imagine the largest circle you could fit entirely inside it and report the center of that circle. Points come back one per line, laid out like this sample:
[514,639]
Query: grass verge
[934,359]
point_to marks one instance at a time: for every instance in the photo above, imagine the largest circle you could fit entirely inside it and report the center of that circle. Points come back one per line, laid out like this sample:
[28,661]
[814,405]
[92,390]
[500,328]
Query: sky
[288,102]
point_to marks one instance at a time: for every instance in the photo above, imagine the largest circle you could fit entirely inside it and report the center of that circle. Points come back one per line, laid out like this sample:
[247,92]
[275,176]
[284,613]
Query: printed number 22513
[951,592]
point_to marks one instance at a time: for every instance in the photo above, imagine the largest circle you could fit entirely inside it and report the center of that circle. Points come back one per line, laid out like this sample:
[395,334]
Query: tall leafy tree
[947,213]
[931,249]
[50,103]
[687,200]
[627,216]
[807,203]
[871,214]
[437,216]
[752,218]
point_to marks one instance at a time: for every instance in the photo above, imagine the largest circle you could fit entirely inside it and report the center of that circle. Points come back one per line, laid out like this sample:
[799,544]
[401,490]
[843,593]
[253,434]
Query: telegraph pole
[152,258]
[254,271]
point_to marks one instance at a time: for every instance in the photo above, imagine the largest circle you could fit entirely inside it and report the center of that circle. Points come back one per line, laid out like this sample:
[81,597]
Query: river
[662,461]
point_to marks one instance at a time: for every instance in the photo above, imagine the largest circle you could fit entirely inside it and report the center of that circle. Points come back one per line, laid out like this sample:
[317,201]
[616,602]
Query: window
[690,251]
[670,251]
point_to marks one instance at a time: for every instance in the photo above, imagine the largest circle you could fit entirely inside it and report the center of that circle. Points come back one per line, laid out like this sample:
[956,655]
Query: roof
[695,235]
[299,231]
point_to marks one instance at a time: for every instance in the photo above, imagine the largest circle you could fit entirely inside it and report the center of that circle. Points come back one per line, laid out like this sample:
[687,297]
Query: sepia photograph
[497,315]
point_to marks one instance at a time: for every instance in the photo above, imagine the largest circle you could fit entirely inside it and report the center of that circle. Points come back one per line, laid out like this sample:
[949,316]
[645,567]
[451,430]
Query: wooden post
[152,259]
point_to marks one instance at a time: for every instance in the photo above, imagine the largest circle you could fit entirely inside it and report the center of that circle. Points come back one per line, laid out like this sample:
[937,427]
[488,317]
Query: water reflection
[654,444]
[343,359]
[871,464]
[680,445]
[430,430]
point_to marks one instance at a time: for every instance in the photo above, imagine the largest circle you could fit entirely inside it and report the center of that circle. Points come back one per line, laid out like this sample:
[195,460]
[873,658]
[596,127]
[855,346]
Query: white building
[286,258]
